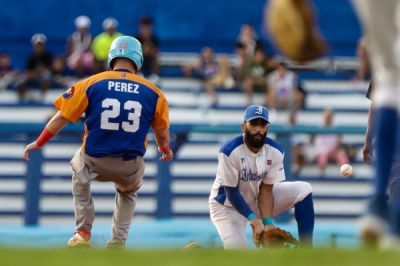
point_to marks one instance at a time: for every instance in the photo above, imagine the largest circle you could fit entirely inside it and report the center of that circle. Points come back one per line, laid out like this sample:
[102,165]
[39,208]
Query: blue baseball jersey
[120,107]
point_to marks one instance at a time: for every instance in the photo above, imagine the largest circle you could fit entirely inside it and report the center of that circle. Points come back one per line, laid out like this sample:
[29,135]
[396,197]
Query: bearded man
[250,187]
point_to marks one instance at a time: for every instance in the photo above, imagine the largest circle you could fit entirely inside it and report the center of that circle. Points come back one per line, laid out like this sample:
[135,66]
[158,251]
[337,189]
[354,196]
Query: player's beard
[255,140]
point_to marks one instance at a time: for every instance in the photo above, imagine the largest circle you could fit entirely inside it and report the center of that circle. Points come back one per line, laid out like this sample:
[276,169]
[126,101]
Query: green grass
[212,257]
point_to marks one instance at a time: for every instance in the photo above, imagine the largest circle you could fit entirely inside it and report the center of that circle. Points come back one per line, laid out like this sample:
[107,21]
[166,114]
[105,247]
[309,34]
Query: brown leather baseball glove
[277,238]
[293,30]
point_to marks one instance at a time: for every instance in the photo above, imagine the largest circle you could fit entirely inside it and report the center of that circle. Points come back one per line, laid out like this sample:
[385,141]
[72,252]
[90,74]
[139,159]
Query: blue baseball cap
[256,111]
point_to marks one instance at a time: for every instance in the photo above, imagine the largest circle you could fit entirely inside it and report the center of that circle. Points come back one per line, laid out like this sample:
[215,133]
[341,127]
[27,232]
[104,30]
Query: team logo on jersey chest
[69,93]
[269,162]
[246,174]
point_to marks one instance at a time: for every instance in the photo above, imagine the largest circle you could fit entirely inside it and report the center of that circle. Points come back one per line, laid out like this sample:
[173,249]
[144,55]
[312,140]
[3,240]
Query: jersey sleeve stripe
[273,143]
[231,145]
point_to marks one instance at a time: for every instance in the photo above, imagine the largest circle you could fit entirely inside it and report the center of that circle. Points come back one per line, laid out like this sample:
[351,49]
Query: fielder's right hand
[257,228]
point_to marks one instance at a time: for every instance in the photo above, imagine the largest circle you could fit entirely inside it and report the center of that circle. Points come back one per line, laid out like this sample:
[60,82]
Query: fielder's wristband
[44,137]
[267,221]
[251,216]
[165,149]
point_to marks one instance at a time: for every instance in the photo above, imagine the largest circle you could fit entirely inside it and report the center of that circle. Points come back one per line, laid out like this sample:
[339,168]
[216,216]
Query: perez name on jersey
[123,87]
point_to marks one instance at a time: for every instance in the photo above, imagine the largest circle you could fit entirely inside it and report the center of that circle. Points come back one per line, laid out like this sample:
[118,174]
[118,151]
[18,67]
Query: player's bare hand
[257,229]
[30,147]
[166,156]
[367,154]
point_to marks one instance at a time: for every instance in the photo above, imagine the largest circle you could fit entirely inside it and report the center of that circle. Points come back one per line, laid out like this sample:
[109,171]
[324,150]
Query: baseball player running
[249,186]
[373,228]
[119,108]
[382,31]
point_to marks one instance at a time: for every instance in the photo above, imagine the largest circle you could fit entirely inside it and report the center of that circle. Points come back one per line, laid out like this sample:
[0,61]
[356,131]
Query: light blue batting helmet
[126,47]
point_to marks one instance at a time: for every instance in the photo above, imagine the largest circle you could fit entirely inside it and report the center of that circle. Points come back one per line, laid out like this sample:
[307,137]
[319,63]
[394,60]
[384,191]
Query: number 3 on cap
[259,110]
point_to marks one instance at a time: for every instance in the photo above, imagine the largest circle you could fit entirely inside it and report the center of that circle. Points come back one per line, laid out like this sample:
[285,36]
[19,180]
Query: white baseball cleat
[116,243]
[81,238]
[372,229]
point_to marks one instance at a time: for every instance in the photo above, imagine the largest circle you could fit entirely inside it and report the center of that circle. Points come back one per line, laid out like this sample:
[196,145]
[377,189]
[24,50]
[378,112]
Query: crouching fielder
[249,188]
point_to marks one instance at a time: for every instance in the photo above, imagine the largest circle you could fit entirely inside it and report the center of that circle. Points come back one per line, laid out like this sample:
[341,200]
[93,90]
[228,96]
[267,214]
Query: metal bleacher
[193,170]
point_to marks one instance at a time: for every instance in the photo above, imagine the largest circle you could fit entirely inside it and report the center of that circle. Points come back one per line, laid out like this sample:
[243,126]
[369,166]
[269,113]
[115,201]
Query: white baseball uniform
[240,167]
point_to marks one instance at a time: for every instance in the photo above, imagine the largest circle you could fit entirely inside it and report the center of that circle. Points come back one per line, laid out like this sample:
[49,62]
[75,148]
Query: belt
[129,157]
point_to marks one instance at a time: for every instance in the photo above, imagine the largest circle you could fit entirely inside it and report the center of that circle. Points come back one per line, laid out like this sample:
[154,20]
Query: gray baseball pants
[127,176]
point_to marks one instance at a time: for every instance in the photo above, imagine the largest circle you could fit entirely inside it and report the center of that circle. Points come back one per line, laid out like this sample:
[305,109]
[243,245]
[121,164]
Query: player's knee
[304,188]
[385,96]
[79,180]
[129,188]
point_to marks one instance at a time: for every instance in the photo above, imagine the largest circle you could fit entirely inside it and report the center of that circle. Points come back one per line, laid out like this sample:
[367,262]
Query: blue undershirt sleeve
[238,202]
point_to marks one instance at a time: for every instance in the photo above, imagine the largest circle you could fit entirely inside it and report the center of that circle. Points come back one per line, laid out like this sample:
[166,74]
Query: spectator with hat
[37,73]
[79,54]
[102,42]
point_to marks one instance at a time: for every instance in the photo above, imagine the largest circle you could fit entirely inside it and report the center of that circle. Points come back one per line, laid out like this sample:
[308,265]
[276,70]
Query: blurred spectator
[248,38]
[214,73]
[150,44]
[205,67]
[59,73]
[223,78]
[255,73]
[102,42]
[7,72]
[241,60]
[79,55]
[38,68]
[328,146]
[298,144]
[364,69]
[284,92]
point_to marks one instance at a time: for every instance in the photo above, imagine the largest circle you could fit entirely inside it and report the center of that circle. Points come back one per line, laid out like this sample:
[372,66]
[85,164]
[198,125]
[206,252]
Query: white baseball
[346,170]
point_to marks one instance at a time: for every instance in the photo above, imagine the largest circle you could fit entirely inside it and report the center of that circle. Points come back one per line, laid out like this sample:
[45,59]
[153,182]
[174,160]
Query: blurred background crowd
[212,59]
[250,66]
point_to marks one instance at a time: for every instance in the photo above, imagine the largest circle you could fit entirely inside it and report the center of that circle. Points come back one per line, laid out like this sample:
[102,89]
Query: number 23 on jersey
[113,110]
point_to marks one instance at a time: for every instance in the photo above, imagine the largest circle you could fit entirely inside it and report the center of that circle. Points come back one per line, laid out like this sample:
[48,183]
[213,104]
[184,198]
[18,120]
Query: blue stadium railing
[164,195]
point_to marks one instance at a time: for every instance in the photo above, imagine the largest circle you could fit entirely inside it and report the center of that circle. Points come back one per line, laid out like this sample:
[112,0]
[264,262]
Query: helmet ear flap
[111,64]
